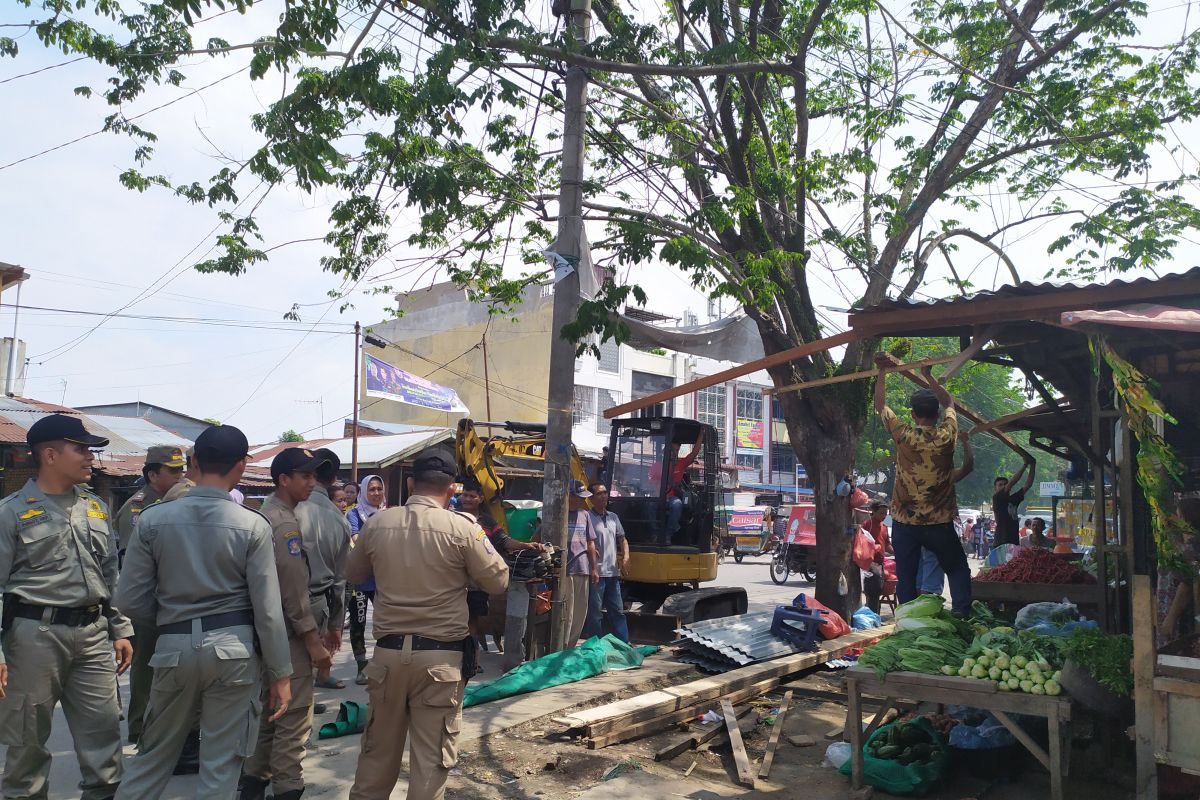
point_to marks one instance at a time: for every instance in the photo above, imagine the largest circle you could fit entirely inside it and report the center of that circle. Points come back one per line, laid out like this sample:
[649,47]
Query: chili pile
[1036,566]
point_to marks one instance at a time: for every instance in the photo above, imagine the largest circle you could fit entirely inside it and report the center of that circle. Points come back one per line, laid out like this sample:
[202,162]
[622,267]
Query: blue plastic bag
[865,619]
[980,731]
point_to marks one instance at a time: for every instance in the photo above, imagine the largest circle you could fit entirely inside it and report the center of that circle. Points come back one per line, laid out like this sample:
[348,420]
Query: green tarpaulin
[594,657]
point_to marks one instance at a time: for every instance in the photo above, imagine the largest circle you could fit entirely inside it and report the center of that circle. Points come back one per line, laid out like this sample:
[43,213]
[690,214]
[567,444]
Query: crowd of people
[229,617]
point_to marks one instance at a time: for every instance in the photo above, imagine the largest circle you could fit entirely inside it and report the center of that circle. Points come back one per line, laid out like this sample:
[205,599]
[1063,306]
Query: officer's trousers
[414,696]
[49,664]
[279,756]
[210,678]
[141,677]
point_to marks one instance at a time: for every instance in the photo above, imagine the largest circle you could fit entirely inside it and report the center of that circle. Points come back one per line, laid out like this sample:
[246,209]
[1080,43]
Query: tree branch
[626,68]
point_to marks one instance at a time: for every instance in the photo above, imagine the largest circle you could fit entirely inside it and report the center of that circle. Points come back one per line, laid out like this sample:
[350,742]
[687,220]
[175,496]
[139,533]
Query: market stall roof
[1147,316]
[374,452]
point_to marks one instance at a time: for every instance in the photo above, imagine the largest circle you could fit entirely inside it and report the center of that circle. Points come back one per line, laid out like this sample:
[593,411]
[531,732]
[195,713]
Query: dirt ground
[537,761]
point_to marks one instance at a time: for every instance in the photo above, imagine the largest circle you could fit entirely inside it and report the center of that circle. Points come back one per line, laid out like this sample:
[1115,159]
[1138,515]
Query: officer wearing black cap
[422,558]
[326,536]
[278,758]
[162,470]
[58,570]
[201,569]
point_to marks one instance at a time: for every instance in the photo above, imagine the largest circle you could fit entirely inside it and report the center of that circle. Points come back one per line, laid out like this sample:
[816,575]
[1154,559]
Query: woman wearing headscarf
[372,498]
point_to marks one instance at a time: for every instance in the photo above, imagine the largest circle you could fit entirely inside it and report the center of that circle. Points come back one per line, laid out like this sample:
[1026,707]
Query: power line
[213,321]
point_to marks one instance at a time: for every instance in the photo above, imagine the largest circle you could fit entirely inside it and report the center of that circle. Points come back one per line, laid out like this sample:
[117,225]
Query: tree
[290,436]
[765,149]
[985,388]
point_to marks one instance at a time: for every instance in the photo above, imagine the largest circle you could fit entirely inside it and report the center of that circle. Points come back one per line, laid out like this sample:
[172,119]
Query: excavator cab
[663,485]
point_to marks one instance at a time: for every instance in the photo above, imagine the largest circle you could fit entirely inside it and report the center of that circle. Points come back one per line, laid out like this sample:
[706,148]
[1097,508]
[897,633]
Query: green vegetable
[913,734]
[889,752]
[1106,657]
[1020,661]
[1026,686]
[978,672]
[1052,688]
[964,671]
[1002,686]
[1038,689]
[1014,684]
[994,673]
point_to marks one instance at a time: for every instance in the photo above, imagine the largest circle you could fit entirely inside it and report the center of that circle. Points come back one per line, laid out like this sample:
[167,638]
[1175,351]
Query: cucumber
[889,752]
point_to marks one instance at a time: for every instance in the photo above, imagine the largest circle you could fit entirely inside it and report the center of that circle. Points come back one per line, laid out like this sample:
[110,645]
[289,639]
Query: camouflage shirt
[924,491]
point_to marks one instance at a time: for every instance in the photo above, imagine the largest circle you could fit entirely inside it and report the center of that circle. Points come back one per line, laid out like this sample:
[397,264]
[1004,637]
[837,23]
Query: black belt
[395,641]
[212,622]
[74,617]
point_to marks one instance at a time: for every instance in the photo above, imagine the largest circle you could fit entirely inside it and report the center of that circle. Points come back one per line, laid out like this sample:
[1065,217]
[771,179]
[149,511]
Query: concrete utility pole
[354,435]
[561,392]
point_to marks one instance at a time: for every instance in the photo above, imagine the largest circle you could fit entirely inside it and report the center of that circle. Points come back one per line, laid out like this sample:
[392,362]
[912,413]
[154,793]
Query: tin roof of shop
[140,431]
[374,452]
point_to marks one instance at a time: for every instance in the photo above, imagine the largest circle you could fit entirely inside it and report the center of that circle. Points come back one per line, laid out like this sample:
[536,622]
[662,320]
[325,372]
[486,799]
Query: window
[645,384]
[749,403]
[584,405]
[605,399]
[710,408]
[776,409]
[610,356]
[746,461]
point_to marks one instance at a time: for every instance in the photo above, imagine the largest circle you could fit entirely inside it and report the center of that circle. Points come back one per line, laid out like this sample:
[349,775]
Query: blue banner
[393,383]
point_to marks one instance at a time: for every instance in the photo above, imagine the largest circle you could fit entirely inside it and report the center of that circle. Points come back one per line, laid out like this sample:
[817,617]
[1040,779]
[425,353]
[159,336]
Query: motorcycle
[793,559]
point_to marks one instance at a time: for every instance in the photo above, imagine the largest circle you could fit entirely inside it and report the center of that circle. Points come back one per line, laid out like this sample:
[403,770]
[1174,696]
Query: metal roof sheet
[373,451]
[140,431]
[25,412]
[733,641]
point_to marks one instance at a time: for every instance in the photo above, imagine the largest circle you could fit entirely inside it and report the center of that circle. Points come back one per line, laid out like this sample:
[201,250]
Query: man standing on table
[200,571]
[422,557]
[1006,505]
[924,503]
[58,571]
[278,759]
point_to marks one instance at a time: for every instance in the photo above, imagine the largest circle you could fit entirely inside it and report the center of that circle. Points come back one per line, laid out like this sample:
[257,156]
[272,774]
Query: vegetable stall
[1116,395]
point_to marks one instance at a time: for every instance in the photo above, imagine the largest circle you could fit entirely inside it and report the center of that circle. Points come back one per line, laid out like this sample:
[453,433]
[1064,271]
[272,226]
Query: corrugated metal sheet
[140,431]
[732,642]
[373,451]
[24,413]
[1027,289]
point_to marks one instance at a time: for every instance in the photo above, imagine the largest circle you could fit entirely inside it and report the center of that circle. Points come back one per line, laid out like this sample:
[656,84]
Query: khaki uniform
[177,491]
[59,563]
[279,756]
[201,571]
[326,535]
[422,558]
[140,673]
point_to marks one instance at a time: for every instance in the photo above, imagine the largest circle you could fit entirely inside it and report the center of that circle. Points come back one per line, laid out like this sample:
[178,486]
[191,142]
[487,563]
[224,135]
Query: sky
[93,247]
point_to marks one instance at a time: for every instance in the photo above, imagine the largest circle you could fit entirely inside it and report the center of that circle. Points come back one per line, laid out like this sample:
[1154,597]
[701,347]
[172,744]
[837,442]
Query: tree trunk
[831,457]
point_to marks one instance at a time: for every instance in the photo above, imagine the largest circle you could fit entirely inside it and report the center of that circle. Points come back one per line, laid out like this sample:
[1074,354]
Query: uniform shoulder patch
[140,494]
[294,545]
[31,513]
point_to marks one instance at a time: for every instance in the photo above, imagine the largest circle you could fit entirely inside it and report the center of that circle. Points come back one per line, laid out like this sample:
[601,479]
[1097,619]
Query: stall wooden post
[1144,699]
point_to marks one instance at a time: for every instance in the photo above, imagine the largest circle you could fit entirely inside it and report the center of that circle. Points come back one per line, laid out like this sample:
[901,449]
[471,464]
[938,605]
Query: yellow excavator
[666,501]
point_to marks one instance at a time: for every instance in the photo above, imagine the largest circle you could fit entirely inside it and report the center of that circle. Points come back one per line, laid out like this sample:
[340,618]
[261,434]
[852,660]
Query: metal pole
[11,374]
[354,434]
[561,390]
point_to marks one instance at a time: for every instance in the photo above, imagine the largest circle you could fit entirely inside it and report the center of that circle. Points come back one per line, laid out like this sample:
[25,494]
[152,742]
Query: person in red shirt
[873,580]
[679,466]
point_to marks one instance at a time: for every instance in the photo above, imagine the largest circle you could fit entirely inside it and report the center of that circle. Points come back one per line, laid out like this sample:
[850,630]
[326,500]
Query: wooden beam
[740,756]
[695,739]
[764,771]
[783,357]
[1017,731]
[1144,656]
[857,376]
[969,352]
[655,704]
[1000,422]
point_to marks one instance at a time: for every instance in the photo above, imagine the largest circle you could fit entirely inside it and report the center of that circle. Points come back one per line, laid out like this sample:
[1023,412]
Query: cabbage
[927,605]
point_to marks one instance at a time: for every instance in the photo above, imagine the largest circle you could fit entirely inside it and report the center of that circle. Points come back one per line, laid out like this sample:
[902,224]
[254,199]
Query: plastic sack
[837,754]
[903,780]
[1003,554]
[865,619]
[981,731]
[1050,629]
[1053,613]
[832,625]
[864,550]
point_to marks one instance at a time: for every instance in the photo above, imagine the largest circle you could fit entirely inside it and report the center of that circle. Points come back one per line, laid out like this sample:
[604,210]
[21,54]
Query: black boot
[251,788]
[189,757]
[293,794]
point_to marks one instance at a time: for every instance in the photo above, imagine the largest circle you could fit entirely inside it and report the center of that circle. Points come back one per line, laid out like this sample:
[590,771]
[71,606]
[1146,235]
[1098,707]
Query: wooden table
[945,690]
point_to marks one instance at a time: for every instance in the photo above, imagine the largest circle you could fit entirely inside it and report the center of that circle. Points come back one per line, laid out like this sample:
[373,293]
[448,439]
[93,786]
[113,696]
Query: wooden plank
[970,351]
[1026,593]
[783,357]
[655,704]
[740,756]
[856,376]
[694,739]
[1056,759]
[940,682]
[1144,652]
[764,771]
[624,733]
[1177,686]
[1024,738]
[914,689]
[854,722]
[880,716]
[1000,422]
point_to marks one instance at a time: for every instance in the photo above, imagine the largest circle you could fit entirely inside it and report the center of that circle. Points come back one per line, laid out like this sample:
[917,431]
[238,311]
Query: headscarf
[365,509]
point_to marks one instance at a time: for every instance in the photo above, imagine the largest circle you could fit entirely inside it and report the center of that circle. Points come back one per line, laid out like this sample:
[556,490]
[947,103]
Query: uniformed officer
[422,557]
[58,569]
[327,543]
[202,570]
[279,756]
[163,469]
[188,482]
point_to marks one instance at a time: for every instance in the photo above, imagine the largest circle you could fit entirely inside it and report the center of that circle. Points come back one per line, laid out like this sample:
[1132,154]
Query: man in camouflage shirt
[924,504]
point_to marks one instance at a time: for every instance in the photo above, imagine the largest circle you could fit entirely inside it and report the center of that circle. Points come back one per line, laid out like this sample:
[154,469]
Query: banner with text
[393,383]
[749,434]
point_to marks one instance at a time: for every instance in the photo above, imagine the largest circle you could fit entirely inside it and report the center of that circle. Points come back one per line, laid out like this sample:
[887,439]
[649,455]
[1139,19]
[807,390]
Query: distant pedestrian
[371,498]
[1006,504]
[924,504]
[612,551]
